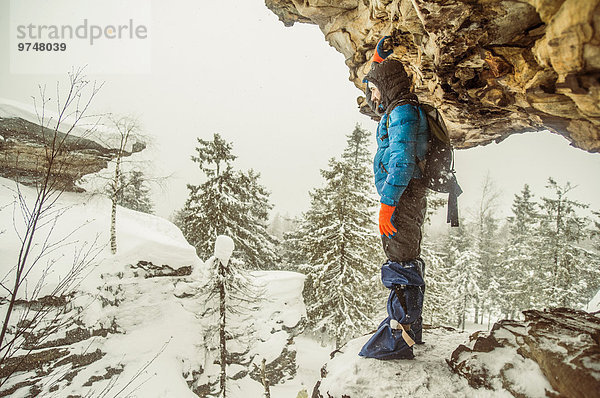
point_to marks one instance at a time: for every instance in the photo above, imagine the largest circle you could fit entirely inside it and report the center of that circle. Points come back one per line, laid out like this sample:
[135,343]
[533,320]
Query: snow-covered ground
[428,375]
[81,221]
[10,109]
[159,341]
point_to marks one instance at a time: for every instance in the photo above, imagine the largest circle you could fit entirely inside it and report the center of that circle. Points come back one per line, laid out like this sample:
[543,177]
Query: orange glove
[385,220]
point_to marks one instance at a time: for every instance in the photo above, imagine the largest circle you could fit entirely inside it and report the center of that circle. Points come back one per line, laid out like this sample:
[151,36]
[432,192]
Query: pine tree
[229,297]
[439,288]
[486,246]
[592,272]
[229,202]
[595,232]
[520,265]
[135,195]
[464,273]
[337,239]
[294,254]
[561,232]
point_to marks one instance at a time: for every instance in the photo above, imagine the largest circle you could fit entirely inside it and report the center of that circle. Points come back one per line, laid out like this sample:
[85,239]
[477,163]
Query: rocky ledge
[24,149]
[563,344]
[493,67]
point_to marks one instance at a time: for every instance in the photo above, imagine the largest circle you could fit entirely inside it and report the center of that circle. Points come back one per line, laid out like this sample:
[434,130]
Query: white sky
[282,95]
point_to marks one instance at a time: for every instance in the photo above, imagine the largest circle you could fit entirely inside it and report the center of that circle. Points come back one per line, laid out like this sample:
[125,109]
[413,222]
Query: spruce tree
[595,232]
[464,273]
[564,262]
[486,246]
[592,273]
[337,240]
[135,194]
[520,264]
[231,203]
[229,297]
[439,288]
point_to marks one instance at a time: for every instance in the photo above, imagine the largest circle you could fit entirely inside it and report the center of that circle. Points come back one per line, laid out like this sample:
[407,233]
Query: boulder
[560,343]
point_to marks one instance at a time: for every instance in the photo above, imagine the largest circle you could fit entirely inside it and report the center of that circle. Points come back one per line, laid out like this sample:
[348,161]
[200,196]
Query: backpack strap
[455,191]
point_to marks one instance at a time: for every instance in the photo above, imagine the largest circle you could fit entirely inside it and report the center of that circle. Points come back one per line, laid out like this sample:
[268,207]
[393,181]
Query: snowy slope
[145,326]
[95,127]
[81,221]
[15,109]
[148,331]
[10,109]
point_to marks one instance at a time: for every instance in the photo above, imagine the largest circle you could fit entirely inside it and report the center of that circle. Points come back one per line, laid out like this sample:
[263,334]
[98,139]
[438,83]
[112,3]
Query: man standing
[401,144]
[402,136]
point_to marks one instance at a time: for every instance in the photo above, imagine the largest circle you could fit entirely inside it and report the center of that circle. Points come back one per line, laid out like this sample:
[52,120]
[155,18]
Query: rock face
[23,151]
[563,344]
[493,67]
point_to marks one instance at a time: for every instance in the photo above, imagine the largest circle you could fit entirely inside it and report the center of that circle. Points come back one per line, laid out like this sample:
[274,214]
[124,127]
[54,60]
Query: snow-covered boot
[405,303]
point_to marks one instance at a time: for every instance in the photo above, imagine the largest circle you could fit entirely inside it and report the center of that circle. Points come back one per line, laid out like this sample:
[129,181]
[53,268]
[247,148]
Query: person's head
[391,81]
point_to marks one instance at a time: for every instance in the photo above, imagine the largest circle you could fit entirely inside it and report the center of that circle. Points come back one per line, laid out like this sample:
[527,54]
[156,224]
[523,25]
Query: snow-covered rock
[134,326]
[552,352]
[594,304]
[25,144]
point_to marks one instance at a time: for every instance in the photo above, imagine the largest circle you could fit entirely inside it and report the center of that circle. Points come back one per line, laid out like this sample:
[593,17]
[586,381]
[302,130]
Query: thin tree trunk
[464,313]
[114,198]
[23,254]
[113,227]
[263,378]
[222,340]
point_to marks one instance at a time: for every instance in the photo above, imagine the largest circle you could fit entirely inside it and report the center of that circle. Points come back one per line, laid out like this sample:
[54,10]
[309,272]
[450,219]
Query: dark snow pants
[408,219]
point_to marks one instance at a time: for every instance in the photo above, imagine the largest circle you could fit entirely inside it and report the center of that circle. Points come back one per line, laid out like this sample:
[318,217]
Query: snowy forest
[241,299]
[200,206]
[545,253]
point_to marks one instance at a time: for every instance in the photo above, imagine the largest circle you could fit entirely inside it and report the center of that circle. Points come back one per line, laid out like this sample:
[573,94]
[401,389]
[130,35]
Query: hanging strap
[455,191]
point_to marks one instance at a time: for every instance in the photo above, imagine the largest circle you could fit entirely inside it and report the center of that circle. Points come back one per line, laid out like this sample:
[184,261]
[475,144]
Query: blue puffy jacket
[401,143]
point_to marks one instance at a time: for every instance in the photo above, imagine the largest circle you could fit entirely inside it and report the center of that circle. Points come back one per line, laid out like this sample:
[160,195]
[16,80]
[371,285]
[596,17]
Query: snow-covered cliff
[134,323]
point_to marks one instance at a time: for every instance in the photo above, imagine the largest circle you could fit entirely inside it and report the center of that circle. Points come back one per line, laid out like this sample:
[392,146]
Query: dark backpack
[438,165]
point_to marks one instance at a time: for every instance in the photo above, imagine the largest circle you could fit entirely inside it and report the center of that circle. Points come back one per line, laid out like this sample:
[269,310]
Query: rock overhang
[494,68]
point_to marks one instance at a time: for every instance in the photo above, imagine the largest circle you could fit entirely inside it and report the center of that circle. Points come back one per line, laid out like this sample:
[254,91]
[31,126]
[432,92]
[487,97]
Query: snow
[286,287]
[159,340]
[594,304]
[91,126]
[427,375]
[223,248]
[12,109]
[81,221]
